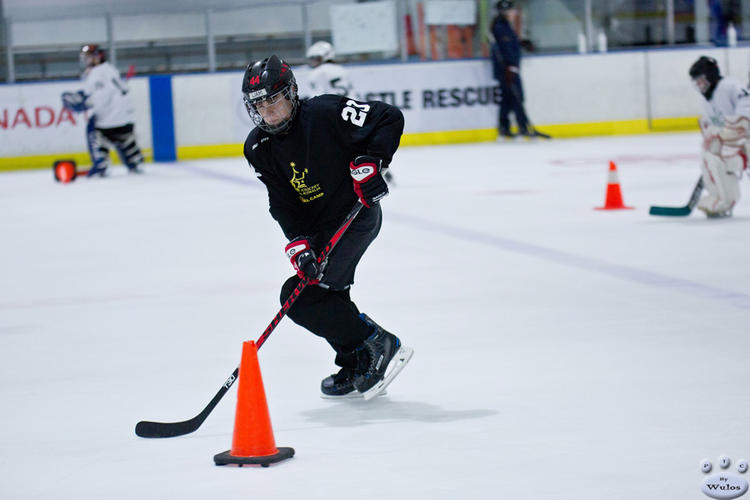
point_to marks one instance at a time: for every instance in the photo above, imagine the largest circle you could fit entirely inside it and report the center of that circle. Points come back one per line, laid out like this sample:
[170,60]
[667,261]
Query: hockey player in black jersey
[317,157]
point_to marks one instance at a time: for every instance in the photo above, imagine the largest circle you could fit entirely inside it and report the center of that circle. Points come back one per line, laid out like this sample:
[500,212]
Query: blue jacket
[506,51]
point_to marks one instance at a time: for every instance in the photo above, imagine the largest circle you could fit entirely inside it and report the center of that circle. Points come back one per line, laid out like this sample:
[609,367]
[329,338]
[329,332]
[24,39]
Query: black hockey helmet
[705,73]
[504,4]
[89,52]
[264,83]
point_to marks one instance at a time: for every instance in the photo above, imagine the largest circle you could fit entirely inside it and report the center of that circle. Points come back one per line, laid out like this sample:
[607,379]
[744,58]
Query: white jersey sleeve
[730,98]
[330,78]
[107,95]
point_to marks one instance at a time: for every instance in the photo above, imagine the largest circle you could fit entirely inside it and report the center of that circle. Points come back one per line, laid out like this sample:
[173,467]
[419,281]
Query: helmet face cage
[251,105]
[701,83]
[266,83]
[88,52]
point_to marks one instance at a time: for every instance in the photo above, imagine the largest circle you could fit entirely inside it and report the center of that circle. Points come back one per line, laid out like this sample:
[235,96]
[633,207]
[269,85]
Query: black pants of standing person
[512,102]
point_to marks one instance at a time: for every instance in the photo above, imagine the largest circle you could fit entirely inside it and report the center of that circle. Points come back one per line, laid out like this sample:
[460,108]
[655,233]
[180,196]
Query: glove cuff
[364,168]
[295,247]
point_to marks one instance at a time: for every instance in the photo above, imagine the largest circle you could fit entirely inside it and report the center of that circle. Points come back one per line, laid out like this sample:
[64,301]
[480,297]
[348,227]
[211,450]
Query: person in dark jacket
[318,157]
[506,61]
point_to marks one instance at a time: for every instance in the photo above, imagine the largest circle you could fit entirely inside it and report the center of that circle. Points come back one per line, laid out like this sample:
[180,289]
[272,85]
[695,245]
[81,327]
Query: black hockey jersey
[306,170]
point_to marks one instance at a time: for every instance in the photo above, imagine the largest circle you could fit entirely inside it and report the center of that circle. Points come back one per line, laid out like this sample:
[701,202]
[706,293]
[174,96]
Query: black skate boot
[339,384]
[504,133]
[386,358]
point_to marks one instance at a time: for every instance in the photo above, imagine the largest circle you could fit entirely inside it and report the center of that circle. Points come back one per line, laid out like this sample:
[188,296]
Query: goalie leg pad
[721,180]
[123,138]
[98,149]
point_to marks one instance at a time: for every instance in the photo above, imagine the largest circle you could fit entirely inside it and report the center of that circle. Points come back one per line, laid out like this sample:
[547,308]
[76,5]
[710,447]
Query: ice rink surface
[560,352]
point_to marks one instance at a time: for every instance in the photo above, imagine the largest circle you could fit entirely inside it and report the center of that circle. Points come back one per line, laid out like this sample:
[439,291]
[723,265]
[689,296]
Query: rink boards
[202,115]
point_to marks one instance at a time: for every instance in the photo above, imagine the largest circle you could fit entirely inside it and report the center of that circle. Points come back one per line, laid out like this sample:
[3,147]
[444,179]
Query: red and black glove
[368,182]
[303,259]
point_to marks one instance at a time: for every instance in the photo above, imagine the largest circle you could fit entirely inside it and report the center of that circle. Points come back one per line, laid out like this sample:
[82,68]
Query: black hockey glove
[303,259]
[368,181]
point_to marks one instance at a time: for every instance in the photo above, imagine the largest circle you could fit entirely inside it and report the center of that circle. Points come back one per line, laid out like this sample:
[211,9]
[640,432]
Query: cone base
[226,458]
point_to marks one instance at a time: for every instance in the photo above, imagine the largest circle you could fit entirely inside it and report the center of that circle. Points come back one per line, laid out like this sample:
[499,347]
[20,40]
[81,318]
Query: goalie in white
[112,113]
[327,77]
[725,125]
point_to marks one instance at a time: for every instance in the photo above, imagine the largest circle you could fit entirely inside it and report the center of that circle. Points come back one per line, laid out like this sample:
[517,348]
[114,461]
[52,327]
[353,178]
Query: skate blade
[352,395]
[401,358]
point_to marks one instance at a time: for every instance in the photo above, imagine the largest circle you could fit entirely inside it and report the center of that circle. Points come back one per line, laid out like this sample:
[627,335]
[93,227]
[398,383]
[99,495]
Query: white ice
[560,352]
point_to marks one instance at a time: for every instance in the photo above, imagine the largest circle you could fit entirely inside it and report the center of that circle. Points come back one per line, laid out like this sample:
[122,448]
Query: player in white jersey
[725,125]
[107,97]
[327,77]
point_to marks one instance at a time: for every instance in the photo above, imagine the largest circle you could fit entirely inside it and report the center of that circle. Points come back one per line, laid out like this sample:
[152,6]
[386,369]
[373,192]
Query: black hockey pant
[327,309]
[122,138]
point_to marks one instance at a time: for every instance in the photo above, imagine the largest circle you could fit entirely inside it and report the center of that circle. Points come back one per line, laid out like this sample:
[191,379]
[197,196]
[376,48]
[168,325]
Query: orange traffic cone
[253,441]
[614,196]
[64,171]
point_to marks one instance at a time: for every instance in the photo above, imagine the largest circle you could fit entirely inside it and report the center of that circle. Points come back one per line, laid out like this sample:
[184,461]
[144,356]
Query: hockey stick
[680,211]
[148,429]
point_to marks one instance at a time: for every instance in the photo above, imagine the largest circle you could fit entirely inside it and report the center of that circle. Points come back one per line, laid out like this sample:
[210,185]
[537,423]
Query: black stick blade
[146,429]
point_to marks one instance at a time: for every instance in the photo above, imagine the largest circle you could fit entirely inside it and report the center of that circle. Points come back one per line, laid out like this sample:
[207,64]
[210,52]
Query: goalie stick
[680,211]
[148,429]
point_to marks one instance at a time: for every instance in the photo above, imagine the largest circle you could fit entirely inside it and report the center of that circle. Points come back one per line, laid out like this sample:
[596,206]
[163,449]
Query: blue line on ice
[736,299]
[740,300]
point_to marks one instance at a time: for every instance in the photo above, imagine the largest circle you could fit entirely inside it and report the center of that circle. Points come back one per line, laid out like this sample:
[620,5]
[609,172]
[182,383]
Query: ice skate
[504,135]
[341,386]
[387,357]
[715,214]
[98,172]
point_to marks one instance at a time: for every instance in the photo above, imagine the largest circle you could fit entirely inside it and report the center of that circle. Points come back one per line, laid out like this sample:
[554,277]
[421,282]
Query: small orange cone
[252,442]
[614,196]
[64,171]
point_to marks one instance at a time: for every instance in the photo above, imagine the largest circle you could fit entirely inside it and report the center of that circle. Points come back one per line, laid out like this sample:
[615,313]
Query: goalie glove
[368,181]
[303,259]
[74,101]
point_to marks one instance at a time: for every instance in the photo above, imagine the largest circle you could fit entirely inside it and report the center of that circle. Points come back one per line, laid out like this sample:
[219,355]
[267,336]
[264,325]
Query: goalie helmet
[91,55]
[705,74]
[320,52]
[264,84]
